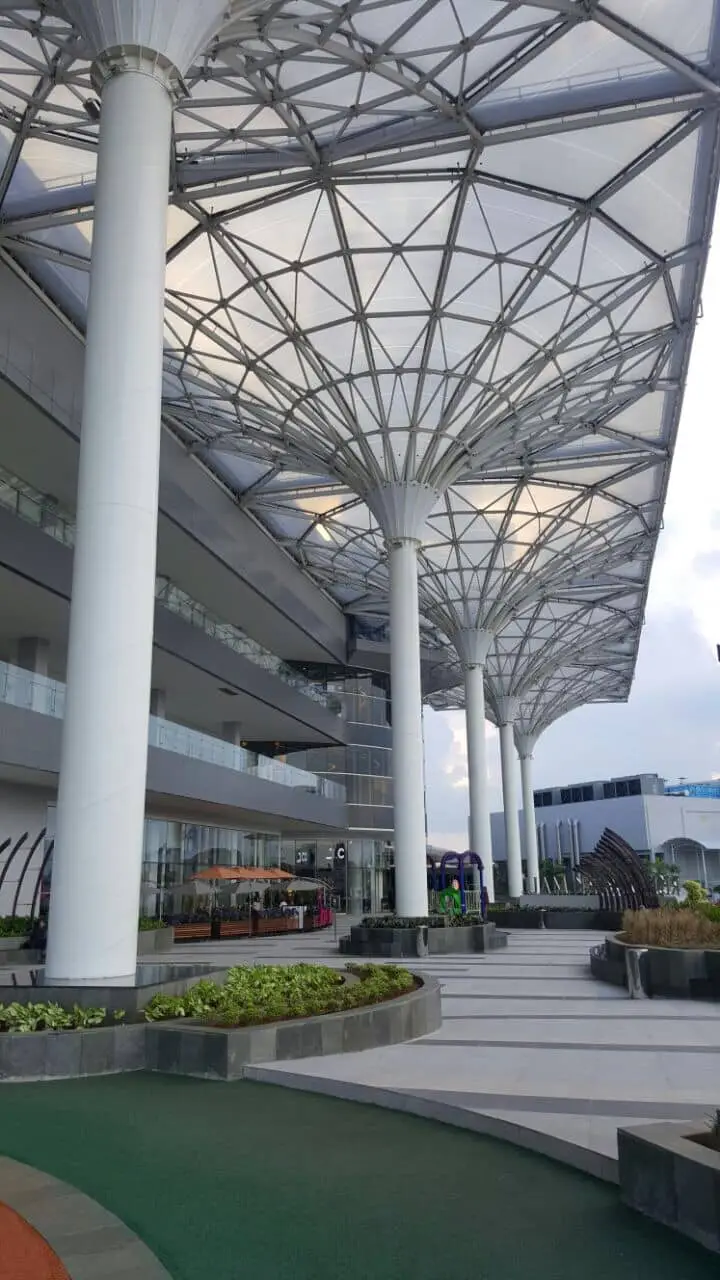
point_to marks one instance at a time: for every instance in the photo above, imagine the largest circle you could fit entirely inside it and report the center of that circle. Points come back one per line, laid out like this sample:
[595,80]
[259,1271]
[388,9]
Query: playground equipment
[452,897]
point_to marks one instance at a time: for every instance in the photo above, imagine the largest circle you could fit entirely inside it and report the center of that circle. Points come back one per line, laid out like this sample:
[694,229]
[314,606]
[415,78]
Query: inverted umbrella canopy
[242,873]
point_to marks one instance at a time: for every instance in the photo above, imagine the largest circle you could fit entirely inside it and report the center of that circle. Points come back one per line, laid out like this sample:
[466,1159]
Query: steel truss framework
[453,241]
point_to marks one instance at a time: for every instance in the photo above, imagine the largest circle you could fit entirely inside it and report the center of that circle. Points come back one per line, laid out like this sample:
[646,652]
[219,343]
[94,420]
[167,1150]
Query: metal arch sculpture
[35,907]
[18,887]
[617,874]
[12,855]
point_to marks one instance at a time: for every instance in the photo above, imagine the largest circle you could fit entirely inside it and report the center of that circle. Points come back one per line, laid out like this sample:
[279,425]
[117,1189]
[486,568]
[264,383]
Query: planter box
[215,1053]
[665,971]
[152,941]
[53,1055]
[670,1178]
[515,919]
[191,1049]
[396,944]
[606,968]
[12,944]
[583,919]
[576,918]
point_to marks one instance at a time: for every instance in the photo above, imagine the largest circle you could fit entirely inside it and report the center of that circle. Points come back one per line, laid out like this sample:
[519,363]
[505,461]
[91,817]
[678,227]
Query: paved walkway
[529,1039]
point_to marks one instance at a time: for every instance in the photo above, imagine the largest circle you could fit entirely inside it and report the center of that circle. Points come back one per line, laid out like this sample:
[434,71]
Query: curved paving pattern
[245,1182]
[66,1235]
[24,1254]
[531,1047]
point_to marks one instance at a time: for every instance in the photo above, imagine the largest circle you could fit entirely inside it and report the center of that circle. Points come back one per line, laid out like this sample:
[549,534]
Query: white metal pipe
[558,840]
[99,846]
[411,895]
[531,846]
[480,837]
[510,805]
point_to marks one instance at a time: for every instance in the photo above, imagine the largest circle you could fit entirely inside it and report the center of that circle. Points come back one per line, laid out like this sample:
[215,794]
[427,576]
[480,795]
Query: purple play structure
[452,867]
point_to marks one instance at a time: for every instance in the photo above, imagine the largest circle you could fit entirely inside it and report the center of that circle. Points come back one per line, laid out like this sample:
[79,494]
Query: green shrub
[146,924]
[161,1007]
[271,993]
[15,926]
[710,911]
[24,1018]
[420,922]
[695,893]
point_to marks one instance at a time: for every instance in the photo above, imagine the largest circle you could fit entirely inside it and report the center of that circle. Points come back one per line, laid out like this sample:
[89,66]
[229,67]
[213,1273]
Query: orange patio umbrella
[242,873]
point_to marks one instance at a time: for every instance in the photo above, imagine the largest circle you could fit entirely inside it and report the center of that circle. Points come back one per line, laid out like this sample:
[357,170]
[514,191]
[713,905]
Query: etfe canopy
[458,241]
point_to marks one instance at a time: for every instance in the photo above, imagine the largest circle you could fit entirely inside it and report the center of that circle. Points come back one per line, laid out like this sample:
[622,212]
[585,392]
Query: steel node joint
[148,62]
[161,39]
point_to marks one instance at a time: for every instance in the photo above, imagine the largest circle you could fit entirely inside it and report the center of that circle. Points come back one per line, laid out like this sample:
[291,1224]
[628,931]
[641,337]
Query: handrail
[43,512]
[21,688]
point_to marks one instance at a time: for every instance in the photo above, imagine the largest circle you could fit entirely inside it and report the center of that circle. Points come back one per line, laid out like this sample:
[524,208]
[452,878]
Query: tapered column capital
[507,709]
[402,508]
[159,37]
[472,645]
[525,743]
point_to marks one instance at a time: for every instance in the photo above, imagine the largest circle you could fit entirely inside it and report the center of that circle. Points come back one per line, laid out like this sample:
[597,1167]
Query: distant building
[679,823]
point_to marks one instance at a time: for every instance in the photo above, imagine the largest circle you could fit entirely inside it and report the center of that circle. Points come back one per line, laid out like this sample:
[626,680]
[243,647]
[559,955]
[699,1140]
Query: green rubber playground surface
[231,1181]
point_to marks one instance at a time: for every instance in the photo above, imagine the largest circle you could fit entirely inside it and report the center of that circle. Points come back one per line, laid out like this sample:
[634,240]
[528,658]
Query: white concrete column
[507,710]
[472,646]
[525,743]
[402,510]
[140,53]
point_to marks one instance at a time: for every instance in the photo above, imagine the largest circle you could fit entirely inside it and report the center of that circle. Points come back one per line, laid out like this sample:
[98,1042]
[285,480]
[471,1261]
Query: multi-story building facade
[270,720]
[678,823]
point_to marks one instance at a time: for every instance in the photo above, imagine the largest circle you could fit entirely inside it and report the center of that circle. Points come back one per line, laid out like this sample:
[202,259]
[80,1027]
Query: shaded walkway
[228,1180]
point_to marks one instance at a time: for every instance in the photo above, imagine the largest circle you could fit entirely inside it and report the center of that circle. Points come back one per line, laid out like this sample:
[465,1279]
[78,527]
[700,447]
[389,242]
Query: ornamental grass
[671,927]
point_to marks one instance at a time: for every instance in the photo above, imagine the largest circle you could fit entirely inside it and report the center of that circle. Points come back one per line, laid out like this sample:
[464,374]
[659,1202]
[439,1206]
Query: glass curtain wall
[364,768]
[176,851]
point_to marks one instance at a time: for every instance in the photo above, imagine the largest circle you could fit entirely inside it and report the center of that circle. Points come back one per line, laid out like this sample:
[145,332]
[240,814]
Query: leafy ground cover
[269,993]
[250,995]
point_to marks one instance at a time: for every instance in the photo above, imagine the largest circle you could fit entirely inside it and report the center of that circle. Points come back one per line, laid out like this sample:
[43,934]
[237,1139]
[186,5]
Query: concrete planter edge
[181,1048]
[673,1180]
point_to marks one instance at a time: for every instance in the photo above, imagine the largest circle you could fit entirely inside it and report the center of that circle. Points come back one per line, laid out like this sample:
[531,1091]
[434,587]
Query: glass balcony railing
[44,513]
[173,597]
[37,508]
[20,688]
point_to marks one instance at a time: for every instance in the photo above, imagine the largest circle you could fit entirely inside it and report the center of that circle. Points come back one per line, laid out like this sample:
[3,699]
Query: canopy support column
[402,510]
[141,52]
[507,709]
[526,745]
[472,647]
